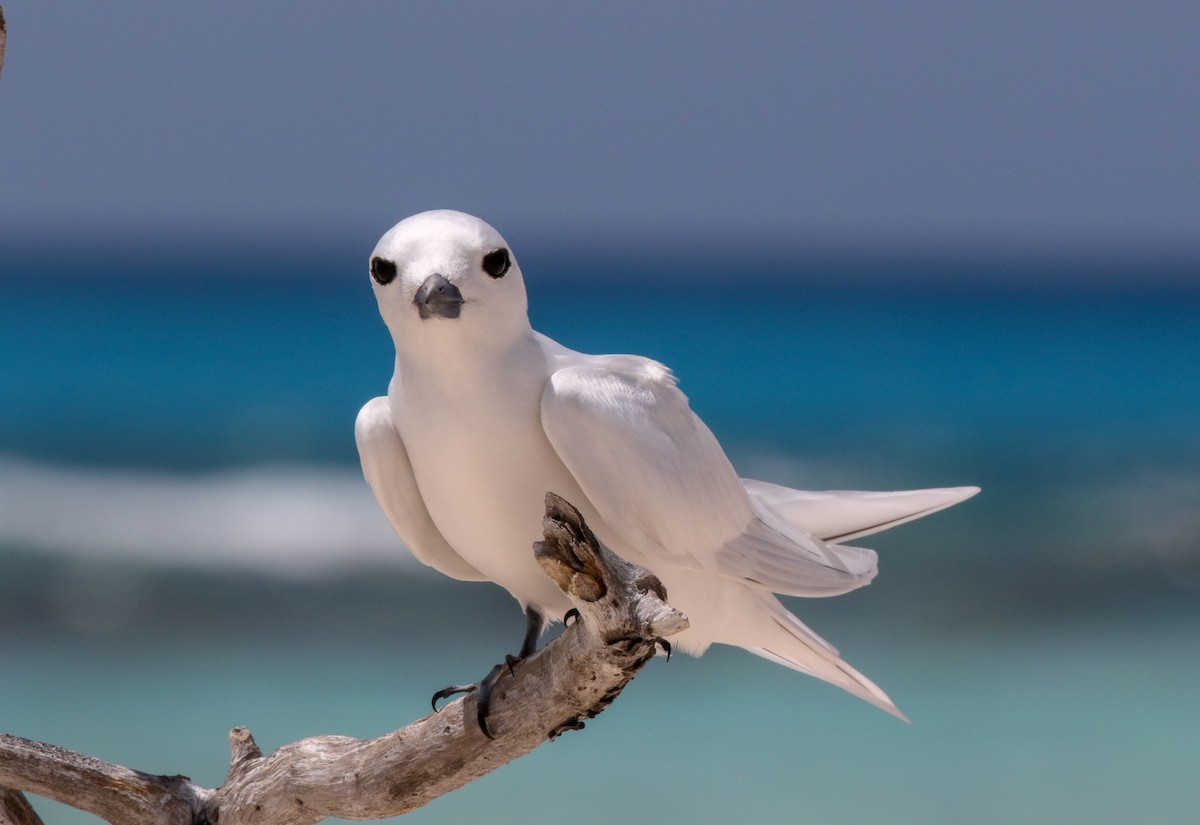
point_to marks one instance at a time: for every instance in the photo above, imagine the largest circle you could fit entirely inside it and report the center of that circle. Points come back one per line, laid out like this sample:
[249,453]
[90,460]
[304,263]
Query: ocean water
[186,543]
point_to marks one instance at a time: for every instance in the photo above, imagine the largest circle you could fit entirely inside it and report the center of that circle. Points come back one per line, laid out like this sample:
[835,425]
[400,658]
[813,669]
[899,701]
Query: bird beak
[438,297]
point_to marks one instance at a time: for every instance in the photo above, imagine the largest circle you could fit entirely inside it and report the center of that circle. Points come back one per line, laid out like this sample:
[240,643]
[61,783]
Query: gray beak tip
[437,297]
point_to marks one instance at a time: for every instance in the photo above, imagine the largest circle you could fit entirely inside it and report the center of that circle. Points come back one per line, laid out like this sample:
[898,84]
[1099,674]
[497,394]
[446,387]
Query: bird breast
[483,465]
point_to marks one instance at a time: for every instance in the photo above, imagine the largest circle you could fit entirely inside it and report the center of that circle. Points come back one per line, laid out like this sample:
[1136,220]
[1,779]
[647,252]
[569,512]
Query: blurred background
[883,246]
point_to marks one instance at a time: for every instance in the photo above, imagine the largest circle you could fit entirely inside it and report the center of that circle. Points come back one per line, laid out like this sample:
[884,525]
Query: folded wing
[658,477]
[389,473]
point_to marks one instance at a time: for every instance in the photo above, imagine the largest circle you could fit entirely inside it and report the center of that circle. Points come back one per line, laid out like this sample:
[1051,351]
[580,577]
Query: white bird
[484,416]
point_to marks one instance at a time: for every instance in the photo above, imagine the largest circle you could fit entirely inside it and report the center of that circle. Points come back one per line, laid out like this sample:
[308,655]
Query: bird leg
[533,629]
[483,689]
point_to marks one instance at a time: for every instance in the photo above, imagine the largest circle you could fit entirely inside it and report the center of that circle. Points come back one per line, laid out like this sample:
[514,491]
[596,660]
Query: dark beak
[437,297]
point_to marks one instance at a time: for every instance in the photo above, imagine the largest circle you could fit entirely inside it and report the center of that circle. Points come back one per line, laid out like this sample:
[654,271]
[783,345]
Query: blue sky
[1011,124]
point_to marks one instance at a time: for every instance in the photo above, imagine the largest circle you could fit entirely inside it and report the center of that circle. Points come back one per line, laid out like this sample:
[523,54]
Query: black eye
[383,271]
[497,262]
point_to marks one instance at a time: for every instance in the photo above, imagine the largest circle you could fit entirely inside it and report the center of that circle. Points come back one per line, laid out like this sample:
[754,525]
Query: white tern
[484,416]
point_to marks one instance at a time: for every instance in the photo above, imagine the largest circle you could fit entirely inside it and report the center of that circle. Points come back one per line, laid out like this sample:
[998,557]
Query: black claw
[450,691]
[665,645]
[483,690]
[483,696]
[483,699]
[571,614]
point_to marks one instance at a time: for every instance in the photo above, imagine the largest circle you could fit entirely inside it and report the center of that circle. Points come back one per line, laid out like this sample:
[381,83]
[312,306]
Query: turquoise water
[1042,637]
[1051,722]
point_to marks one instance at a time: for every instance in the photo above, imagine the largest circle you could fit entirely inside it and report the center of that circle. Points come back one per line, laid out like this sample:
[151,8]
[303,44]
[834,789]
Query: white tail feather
[843,515]
[784,639]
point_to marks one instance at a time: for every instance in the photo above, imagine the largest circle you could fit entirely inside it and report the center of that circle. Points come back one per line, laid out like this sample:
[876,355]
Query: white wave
[288,521]
[1147,518]
[295,520]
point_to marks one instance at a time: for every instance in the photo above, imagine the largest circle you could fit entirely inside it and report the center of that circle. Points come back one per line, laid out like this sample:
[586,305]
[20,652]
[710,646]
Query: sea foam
[282,520]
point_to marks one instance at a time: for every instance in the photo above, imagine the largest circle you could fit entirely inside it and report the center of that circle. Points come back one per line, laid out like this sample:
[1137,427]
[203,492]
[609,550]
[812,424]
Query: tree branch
[109,791]
[623,615]
[16,810]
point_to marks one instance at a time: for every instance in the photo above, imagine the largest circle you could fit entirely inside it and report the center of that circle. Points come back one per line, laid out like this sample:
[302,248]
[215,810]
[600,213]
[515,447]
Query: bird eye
[383,271]
[497,262]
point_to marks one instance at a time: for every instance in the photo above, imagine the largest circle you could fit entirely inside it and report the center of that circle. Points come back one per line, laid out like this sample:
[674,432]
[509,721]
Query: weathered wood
[622,616]
[14,807]
[111,792]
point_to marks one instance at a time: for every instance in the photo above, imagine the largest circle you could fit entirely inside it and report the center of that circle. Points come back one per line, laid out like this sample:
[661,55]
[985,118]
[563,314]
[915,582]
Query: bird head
[445,276]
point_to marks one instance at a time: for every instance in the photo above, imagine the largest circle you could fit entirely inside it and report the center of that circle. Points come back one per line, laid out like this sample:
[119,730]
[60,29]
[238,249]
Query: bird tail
[784,639]
[838,516]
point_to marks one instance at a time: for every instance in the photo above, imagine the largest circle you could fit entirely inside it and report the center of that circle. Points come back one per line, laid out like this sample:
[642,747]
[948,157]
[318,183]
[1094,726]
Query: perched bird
[484,416]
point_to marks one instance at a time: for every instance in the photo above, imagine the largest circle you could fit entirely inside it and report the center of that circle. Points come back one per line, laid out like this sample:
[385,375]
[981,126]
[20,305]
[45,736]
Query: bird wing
[842,515]
[659,479]
[389,473]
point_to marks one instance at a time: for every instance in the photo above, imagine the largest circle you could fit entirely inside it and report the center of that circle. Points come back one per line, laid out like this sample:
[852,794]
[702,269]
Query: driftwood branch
[623,615]
[16,810]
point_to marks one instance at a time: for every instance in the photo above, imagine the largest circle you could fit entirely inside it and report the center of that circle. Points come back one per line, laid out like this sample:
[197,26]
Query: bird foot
[572,616]
[483,689]
[483,693]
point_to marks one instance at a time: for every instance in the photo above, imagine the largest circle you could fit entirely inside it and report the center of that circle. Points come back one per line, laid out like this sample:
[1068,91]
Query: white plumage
[484,416]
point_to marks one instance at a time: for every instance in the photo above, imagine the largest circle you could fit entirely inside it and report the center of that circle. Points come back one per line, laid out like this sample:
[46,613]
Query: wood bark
[16,810]
[623,615]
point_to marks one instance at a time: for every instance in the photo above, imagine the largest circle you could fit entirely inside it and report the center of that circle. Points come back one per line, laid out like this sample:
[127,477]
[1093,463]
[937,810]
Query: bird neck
[455,360]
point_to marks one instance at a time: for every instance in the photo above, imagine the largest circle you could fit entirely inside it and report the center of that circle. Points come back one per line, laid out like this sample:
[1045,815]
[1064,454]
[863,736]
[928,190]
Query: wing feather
[389,473]
[659,479]
[650,467]
[787,559]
